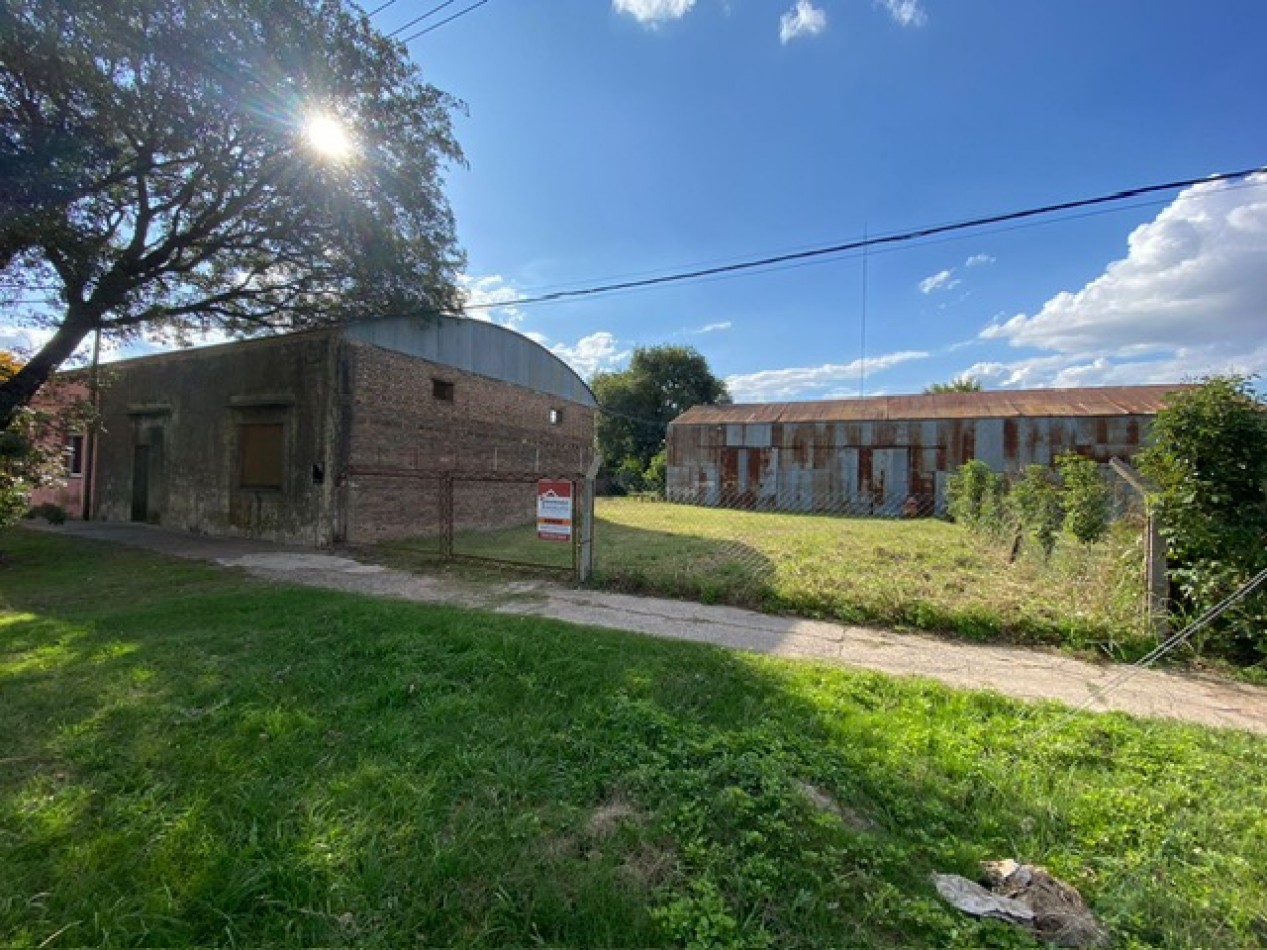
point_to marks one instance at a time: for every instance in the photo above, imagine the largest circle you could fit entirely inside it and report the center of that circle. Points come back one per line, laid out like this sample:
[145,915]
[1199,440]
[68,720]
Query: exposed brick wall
[396,425]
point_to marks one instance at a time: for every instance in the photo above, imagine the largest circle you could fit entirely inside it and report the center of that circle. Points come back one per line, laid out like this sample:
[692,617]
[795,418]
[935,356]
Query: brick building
[890,455]
[340,434]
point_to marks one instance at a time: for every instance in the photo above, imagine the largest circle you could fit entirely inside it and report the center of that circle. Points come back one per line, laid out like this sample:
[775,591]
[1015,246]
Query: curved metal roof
[476,347]
[1000,404]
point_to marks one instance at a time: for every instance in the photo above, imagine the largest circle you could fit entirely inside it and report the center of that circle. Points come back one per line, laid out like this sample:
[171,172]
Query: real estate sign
[554,510]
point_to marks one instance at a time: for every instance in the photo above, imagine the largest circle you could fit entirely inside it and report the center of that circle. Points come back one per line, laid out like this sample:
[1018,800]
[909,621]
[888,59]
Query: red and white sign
[554,510]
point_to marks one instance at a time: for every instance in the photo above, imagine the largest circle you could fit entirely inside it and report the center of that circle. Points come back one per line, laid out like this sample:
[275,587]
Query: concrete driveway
[1023,673]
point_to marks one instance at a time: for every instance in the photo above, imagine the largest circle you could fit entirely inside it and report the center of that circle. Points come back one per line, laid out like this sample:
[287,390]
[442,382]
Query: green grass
[192,757]
[923,574]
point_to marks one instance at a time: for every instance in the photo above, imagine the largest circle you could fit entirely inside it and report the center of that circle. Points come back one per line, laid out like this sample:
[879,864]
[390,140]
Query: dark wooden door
[140,483]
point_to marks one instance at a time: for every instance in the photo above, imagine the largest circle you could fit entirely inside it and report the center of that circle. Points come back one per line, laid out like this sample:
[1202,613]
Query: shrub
[1088,501]
[50,512]
[1209,459]
[1036,506]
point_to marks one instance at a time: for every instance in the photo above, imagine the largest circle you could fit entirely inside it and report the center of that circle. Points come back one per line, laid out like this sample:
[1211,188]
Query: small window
[260,448]
[442,389]
[556,417]
[75,453]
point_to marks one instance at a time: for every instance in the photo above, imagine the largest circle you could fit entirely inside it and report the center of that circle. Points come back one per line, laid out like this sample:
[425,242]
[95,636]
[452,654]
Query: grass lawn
[192,757]
[923,574]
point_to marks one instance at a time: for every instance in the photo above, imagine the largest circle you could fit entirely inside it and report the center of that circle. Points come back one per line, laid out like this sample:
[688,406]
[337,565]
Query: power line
[418,19]
[436,26]
[379,9]
[901,237]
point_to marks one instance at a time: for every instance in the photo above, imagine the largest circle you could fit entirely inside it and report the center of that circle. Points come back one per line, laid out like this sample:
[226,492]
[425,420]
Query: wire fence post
[585,542]
[1156,583]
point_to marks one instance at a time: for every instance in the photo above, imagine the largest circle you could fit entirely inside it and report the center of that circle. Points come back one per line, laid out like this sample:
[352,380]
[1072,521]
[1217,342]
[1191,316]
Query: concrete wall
[170,453]
[399,435]
[861,467]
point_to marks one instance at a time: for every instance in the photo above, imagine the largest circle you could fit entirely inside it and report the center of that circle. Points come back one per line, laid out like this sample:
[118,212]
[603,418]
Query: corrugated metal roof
[999,404]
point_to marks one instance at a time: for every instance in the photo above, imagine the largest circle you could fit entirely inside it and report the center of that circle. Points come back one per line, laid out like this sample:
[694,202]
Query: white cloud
[942,280]
[979,260]
[490,299]
[590,354]
[1188,298]
[779,384]
[804,19]
[653,12]
[23,340]
[711,328]
[905,12]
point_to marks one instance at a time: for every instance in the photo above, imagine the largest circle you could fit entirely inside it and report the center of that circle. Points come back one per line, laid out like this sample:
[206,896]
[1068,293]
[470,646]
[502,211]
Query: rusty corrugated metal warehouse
[892,454]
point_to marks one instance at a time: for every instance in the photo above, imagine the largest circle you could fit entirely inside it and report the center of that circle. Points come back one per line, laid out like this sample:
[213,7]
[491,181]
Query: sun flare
[328,137]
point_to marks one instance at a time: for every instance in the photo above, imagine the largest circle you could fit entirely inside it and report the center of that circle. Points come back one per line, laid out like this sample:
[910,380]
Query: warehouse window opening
[75,456]
[442,389]
[556,417]
[260,447]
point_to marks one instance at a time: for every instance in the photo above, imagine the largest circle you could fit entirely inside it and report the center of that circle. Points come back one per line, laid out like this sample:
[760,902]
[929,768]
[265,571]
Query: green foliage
[32,446]
[661,383]
[976,498]
[50,512]
[159,179]
[960,384]
[655,478]
[1035,500]
[1209,459]
[1087,499]
[193,758]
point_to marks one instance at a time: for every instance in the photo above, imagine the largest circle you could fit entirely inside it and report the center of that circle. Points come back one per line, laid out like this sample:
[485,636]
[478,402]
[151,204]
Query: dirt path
[1023,673]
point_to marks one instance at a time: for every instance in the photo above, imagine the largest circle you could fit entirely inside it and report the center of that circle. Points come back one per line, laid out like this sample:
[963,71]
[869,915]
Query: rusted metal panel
[987,439]
[757,436]
[867,466]
[999,404]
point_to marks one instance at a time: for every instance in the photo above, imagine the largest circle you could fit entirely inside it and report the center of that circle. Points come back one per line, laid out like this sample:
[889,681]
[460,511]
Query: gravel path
[1013,671]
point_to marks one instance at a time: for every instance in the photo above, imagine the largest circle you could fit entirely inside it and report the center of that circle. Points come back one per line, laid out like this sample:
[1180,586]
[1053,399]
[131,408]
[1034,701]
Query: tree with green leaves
[638,404]
[1209,458]
[214,165]
[33,445]
[960,384]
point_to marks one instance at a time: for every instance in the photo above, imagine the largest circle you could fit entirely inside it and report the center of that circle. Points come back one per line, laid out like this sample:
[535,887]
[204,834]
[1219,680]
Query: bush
[1036,506]
[1088,501]
[53,514]
[1209,459]
[976,498]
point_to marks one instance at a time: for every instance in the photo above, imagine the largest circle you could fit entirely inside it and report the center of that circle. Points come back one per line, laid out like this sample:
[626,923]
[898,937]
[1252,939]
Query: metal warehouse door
[890,479]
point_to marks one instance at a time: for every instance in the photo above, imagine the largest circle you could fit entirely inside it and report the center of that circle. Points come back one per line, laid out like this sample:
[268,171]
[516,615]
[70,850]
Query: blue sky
[617,138]
[614,137]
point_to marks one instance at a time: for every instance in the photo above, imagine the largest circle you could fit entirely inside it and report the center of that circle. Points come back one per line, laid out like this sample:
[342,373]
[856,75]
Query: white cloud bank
[905,12]
[591,354]
[773,385]
[1188,298]
[653,12]
[490,299]
[804,19]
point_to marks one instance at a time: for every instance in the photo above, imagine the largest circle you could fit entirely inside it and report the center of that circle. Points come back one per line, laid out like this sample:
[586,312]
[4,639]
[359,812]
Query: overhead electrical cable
[418,19]
[435,26]
[380,8]
[882,240]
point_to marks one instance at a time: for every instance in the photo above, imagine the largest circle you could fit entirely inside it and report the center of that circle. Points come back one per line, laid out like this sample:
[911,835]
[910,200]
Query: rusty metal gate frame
[447,516]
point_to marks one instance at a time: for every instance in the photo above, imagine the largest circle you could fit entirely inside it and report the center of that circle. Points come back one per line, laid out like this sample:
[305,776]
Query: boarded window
[75,453]
[260,448]
[442,389]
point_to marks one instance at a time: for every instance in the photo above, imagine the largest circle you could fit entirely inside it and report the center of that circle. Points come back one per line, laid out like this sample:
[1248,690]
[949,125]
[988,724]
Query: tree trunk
[19,389]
